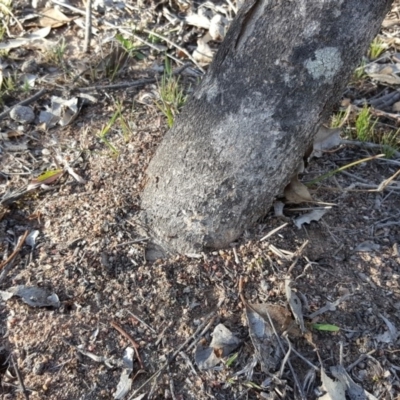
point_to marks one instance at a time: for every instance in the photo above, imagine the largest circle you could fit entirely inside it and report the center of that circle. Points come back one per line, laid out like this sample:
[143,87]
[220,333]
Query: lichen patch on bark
[325,63]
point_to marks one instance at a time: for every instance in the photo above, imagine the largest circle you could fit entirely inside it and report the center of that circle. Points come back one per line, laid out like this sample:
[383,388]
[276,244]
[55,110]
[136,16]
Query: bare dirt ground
[87,250]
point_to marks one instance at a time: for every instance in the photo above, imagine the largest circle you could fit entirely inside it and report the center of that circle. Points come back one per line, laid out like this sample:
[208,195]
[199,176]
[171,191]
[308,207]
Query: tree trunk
[238,140]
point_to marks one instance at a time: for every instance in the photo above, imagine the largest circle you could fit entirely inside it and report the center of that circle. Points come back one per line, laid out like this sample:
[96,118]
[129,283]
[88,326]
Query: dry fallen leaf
[203,54]
[53,18]
[386,73]
[262,335]
[390,79]
[218,26]
[47,177]
[334,389]
[200,21]
[296,192]
[35,38]
[295,304]
[33,296]
[353,390]
[125,383]
[314,215]
[222,344]
[326,139]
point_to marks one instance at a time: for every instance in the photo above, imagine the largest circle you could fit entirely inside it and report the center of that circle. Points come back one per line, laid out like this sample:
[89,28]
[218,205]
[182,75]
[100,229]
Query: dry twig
[270,233]
[118,86]
[129,337]
[206,323]
[25,102]
[297,255]
[72,8]
[367,145]
[88,26]
[138,83]
[247,305]
[140,240]
[184,51]
[140,320]
[386,182]
[19,377]
[16,250]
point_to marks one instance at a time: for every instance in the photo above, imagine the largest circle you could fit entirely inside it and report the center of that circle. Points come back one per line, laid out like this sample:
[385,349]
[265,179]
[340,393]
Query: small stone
[29,66]
[38,368]
[22,114]
[362,374]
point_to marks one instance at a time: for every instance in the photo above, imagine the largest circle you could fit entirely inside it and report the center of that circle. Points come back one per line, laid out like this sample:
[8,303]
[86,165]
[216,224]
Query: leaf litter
[84,244]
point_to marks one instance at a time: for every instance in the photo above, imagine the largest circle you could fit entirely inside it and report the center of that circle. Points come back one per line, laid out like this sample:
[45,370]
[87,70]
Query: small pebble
[38,368]
[22,114]
[362,375]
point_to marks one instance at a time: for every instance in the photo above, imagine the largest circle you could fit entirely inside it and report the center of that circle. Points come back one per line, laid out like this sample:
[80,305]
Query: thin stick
[341,353]
[352,164]
[140,320]
[62,4]
[208,326]
[297,255]
[287,355]
[138,83]
[361,358]
[19,377]
[24,102]
[14,18]
[117,86]
[269,234]
[188,362]
[246,304]
[129,337]
[16,250]
[88,27]
[237,261]
[6,270]
[171,358]
[367,145]
[143,239]
[171,384]
[147,43]
[386,182]
[176,46]
[234,9]
[305,360]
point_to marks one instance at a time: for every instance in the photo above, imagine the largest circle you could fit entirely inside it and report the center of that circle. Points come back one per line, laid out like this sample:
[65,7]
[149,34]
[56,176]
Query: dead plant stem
[16,250]
[133,342]
[88,26]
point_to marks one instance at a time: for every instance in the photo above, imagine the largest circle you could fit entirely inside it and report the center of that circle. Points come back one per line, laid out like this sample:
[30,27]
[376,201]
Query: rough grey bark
[279,71]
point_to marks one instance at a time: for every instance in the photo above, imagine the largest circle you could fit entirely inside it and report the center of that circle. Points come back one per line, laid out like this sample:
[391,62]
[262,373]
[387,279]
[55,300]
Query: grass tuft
[365,127]
[376,48]
[55,54]
[359,73]
[123,128]
[7,86]
[172,97]
[5,12]
[338,119]
[105,131]
[390,142]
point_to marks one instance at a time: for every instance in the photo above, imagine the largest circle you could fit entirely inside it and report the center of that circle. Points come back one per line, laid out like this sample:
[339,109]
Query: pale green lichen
[325,63]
